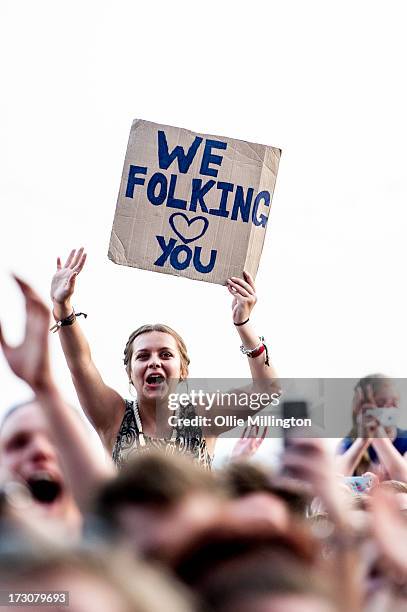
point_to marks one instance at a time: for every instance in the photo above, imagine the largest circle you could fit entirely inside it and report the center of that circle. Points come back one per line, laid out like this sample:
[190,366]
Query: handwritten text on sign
[234,202]
[192,205]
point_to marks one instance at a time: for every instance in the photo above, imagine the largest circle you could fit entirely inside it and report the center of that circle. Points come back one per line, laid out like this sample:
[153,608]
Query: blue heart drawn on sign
[181,224]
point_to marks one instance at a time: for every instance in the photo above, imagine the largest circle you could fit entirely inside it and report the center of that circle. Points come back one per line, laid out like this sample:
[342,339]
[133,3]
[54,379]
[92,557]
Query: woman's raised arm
[244,300]
[103,406]
[263,374]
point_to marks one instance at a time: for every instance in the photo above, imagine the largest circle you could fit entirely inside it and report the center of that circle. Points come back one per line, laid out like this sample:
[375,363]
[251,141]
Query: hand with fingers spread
[63,282]
[244,297]
[249,443]
[30,360]
[101,403]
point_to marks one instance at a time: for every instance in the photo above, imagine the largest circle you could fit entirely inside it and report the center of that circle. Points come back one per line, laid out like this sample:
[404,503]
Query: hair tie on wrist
[70,320]
[240,324]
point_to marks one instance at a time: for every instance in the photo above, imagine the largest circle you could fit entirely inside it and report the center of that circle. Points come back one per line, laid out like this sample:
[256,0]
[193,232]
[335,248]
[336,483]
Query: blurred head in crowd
[268,583]
[156,500]
[239,566]
[399,490]
[28,456]
[244,479]
[98,580]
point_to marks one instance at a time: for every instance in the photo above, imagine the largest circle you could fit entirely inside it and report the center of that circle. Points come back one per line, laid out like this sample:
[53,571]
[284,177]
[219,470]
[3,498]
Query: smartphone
[296,410]
[358,484]
[387,417]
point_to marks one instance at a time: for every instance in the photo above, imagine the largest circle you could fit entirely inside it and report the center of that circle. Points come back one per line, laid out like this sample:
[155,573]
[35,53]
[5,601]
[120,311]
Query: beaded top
[186,440]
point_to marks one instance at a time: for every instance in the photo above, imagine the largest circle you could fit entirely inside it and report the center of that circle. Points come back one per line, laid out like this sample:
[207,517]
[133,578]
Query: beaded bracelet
[257,350]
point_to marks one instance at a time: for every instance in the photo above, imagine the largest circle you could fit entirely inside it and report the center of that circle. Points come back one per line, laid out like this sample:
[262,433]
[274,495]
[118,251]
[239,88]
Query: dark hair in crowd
[242,478]
[233,562]
[154,479]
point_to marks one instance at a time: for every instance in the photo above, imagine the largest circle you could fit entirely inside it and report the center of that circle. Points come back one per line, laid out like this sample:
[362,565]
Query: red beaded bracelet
[258,350]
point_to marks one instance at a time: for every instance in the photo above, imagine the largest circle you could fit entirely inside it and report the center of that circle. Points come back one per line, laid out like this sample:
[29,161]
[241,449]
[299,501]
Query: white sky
[324,81]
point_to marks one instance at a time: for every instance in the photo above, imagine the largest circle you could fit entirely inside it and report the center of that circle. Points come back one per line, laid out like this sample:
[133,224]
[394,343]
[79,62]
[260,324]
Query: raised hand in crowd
[103,406]
[244,297]
[63,282]
[263,373]
[244,300]
[30,361]
[309,461]
[249,443]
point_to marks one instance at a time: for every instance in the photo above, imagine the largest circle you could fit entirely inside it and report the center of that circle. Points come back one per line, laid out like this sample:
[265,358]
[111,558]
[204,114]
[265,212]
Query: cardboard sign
[191,204]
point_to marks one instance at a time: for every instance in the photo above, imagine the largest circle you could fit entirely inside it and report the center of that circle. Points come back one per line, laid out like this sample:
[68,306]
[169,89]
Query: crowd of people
[153,526]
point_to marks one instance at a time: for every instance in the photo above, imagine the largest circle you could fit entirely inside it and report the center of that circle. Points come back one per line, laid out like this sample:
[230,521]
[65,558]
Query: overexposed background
[324,81]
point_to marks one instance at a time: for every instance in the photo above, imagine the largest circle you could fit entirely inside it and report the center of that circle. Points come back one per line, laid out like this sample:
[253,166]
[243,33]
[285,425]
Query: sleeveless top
[186,440]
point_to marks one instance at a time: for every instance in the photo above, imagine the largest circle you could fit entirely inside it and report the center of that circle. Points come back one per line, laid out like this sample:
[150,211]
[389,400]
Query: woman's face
[155,365]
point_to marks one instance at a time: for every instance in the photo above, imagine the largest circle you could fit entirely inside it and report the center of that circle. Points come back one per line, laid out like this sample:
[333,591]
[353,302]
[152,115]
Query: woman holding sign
[156,359]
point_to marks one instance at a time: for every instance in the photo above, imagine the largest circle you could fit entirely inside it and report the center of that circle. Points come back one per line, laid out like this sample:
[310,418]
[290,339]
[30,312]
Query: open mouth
[44,488]
[155,379]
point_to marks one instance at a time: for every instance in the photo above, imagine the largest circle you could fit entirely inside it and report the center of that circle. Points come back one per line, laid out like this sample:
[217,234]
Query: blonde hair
[156,327]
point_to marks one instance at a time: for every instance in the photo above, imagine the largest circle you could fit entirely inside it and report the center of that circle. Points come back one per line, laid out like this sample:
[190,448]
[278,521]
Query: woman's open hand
[30,360]
[248,444]
[244,296]
[63,281]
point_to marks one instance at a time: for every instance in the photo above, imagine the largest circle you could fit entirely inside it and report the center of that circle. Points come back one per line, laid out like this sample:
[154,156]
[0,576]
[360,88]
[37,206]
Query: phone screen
[358,484]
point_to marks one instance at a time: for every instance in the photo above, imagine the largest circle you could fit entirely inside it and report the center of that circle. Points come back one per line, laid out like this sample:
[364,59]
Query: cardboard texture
[191,204]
